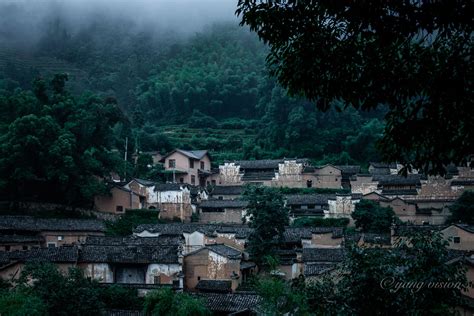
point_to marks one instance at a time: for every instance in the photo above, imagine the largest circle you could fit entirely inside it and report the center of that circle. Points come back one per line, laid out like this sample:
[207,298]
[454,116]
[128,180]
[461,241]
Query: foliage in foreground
[372,218]
[167,302]
[412,57]
[462,211]
[44,290]
[268,217]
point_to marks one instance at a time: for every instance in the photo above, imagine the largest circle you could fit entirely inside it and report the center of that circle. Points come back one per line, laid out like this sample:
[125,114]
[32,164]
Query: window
[51,245]
[309,183]
[157,279]
[181,180]
[193,179]
[119,209]
[172,163]
[199,278]
[213,182]
[457,240]
[25,247]
[221,197]
[191,163]
[202,164]
[7,248]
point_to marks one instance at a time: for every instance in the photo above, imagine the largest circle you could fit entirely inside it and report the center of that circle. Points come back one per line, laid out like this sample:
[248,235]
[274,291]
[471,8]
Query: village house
[143,188]
[460,236]
[307,205]
[197,235]
[396,185]
[317,261]
[380,168]
[348,172]
[214,267]
[174,201]
[342,205]
[26,232]
[119,200]
[241,304]
[13,263]
[226,192]
[141,261]
[188,166]
[222,211]
[292,173]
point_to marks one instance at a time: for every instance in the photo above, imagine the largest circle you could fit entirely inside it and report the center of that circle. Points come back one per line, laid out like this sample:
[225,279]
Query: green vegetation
[167,302]
[462,211]
[404,280]
[55,147]
[131,219]
[320,222]
[210,91]
[268,218]
[370,217]
[411,58]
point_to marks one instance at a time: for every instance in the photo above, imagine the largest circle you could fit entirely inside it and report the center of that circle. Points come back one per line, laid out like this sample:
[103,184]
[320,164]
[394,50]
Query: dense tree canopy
[268,217]
[413,57]
[462,211]
[54,146]
[373,218]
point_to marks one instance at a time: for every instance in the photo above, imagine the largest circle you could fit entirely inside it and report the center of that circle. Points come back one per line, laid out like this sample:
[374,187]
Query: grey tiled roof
[393,179]
[225,251]
[468,228]
[28,223]
[241,231]
[349,169]
[323,254]
[220,286]
[129,254]
[305,199]
[230,303]
[5,239]
[57,254]
[195,154]
[144,182]
[136,241]
[314,269]
[216,203]
[461,181]
[227,190]
[295,234]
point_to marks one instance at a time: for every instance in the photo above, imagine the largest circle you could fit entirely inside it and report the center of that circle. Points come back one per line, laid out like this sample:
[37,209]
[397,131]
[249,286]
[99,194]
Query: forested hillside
[209,90]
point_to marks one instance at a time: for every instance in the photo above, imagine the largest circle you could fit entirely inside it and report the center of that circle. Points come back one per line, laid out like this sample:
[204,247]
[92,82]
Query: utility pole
[125,160]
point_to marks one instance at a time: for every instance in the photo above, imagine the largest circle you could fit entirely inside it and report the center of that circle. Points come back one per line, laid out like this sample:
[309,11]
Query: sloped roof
[468,228]
[314,269]
[129,253]
[135,241]
[5,239]
[230,303]
[29,223]
[56,254]
[403,230]
[227,190]
[304,199]
[220,286]
[195,154]
[349,169]
[393,179]
[265,163]
[323,254]
[225,251]
[144,182]
[216,203]
[241,231]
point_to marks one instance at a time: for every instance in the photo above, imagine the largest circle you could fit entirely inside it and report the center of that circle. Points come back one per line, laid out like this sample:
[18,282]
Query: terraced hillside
[15,60]
[226,144]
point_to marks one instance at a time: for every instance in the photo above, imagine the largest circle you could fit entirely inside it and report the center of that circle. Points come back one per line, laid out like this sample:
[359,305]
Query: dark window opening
[191,163]
[309,183]
[157,279]
[457,240]
[119,209]
[7,248]
[193,179]
[202,164]
[172,163]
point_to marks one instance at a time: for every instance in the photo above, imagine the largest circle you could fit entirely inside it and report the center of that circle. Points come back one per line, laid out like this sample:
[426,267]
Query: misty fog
[23,22]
